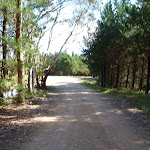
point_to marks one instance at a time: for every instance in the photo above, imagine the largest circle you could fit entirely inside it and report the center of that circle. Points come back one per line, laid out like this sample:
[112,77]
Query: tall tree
[119,43]
[4,42]
[19,48]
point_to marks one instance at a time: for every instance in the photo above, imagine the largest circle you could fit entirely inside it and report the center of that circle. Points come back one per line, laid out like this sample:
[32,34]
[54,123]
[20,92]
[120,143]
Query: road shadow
[50,110]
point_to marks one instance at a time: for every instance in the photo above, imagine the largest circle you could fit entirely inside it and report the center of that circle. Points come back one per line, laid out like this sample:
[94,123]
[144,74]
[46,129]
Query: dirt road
[84,120]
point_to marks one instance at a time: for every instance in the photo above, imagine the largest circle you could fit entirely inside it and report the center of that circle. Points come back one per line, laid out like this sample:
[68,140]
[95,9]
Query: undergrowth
[38,92]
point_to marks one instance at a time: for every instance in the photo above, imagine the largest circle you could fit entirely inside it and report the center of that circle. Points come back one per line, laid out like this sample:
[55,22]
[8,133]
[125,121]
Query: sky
[61,32]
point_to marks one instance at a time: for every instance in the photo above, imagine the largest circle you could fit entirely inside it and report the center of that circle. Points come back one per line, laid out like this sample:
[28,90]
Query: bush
[1,101]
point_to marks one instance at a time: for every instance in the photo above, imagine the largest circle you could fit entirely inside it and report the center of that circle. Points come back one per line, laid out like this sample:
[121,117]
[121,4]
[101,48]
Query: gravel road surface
[84,120]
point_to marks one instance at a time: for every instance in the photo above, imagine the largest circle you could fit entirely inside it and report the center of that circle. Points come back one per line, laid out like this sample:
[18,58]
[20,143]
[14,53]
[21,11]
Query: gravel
[136,118]
[17,123]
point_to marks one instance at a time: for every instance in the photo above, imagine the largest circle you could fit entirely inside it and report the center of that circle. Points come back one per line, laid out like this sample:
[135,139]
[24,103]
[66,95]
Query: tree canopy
[70,65]
[119,51]
[23,23]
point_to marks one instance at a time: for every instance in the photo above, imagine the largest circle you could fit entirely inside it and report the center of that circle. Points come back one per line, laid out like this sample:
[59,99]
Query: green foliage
[71,65]
[2,85]
[1,101]
[120,43]
[22,26]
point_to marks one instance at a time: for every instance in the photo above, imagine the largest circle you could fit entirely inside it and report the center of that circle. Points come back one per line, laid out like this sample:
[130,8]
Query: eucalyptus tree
[26,23]
[19,48]
[4,45]
[5,23]
[80,15]
[23,28]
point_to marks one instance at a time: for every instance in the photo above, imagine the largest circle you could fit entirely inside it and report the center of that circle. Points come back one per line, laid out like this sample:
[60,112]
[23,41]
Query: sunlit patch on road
[46,119]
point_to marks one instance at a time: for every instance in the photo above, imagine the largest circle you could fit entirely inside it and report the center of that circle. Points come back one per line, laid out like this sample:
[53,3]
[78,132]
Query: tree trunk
[148,75]
[141,78]
[32,80]
[37,80]
[53,62]
[19,51]
[4,44]
[36,73]
[134,73]
[102,79]
[104,84]
[108,76]
[120,80]
[54,59]
[45,77]
[127,80]
[99,78]
[117,76]
[42,77]
[111,79]
[4,47]
[29,80]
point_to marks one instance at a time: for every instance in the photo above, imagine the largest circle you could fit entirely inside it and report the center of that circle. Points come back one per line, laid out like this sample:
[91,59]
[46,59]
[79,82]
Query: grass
[38,92]
[136,99]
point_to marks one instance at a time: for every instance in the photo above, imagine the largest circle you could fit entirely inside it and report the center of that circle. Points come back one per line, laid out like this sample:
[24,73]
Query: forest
[69,65]
[118,52]
[23,24]
[98,99]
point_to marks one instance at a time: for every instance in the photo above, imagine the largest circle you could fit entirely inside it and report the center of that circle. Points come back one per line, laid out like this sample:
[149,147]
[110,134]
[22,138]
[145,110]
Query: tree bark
[19,51]
[42,77]
[4,44]
[33,80]
[4,47]
[127,80]
[108,72]
[99,78]
[120,85]
[37,80]
[54,60]
[134,73]
[141,78]
[102,77]
[45,77]
[29,80]
[111,79]
[117,76]
[148,75]
[104,84]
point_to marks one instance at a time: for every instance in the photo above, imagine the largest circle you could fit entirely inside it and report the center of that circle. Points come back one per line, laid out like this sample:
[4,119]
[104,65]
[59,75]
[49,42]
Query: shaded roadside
[17,122]
[86,120]
[135,105]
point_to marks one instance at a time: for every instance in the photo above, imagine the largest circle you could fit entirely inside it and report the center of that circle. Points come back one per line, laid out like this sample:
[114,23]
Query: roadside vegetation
[137,99]
[118,52]
[69,65]
[11,98]
[23,25]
